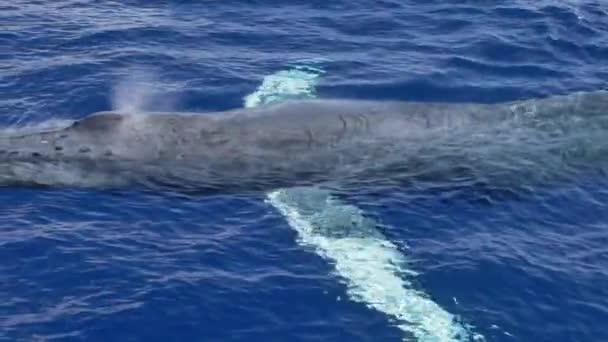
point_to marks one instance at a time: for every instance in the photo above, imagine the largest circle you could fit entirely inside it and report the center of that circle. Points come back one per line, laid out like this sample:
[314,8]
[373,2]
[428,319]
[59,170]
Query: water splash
[298,82]
[372,266]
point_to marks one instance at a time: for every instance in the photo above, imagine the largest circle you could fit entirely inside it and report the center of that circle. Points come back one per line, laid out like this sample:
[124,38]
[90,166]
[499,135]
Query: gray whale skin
[307,142]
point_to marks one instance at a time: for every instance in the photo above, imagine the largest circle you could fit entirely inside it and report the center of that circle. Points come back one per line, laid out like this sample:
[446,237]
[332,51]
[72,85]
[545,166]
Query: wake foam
[372,266]
[298,82]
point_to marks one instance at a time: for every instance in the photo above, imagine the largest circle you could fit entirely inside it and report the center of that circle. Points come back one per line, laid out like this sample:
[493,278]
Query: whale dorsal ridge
[99,122]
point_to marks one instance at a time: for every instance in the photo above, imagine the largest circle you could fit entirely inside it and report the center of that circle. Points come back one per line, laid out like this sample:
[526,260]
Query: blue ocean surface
[102,265]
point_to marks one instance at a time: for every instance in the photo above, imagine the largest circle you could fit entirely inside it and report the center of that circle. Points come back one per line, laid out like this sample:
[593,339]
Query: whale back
[103,121]
[311,141]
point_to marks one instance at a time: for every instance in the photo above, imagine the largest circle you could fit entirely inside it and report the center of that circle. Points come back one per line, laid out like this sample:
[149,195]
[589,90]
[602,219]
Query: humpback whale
[315,141]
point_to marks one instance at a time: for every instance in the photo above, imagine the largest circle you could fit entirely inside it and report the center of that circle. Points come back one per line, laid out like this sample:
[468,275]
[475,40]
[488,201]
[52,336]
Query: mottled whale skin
[311,142]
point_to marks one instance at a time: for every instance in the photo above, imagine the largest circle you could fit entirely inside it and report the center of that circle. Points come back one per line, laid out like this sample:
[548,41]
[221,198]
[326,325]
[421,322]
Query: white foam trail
[372,266]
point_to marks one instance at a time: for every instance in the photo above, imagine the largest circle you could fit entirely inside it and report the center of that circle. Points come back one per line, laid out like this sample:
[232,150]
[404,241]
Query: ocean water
[425,265]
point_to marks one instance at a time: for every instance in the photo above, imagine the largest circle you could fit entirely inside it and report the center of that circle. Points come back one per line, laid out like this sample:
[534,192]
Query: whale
[341,142]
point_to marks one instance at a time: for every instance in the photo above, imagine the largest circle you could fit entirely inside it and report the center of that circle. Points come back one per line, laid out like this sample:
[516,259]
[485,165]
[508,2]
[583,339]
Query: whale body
[307,142]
